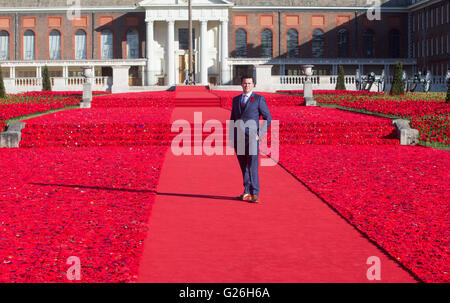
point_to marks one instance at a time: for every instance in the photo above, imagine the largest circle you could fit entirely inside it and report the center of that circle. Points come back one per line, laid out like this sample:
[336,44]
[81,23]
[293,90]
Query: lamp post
[190,74]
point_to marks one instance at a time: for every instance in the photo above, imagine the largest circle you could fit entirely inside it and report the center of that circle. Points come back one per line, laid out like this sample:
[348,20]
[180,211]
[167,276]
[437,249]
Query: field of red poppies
[396,195]
[23,105]
[83,187]
[93,203]
[315,125]
[99,126]
[145,99]
[273,100]
[427,112]
[83,182]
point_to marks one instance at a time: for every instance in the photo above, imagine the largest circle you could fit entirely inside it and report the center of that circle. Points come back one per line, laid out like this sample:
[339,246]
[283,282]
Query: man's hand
[257,138]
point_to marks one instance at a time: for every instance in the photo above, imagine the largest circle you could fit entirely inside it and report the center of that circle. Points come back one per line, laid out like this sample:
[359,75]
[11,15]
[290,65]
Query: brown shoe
[255,199]
[245,197]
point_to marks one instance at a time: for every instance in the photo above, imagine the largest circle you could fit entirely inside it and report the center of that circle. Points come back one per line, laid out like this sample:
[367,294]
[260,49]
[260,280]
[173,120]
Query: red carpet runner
[198,233]
[186,96]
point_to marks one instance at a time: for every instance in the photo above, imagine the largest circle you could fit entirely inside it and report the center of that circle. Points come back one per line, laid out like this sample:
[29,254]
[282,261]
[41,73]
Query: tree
[340,85]
[2,85]
[398,85]
[46,84]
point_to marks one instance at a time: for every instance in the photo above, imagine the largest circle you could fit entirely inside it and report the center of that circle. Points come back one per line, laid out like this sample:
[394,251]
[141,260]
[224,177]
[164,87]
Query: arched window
[266,43]
[132,44]
[368,46]
[107,44]
[80,44]
[343,44]
[240,37]
[292,43]
[4,45]
[54,45]
[318,43]
[29,45]
[394,43]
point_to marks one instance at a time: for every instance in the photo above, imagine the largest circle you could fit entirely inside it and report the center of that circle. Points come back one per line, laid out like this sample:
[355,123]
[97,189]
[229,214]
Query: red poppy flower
[252,99]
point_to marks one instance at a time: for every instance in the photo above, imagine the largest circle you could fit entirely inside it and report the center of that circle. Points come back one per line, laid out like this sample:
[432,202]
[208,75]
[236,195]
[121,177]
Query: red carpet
[195,96]
[198,233]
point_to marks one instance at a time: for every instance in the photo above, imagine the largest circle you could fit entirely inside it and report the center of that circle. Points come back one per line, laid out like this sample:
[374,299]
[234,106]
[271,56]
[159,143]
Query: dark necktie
[243,101]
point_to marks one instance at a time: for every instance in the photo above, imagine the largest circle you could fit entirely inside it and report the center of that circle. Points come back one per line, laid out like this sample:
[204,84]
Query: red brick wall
[44,23]
[329,22]
[436,31]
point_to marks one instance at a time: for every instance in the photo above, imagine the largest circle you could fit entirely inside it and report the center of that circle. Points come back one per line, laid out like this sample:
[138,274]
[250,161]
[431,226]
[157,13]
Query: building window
[292,43]
[318,43]
[240,37]
[436,40]
[4,45]
[432,17]
[107,44]
[183,38]
[394,43]
[423,20]
[368,40]
[266,43]
[343,43]
[132,44]
[29,45]
[432,46]
[54,45]
[423,48]
[80,44]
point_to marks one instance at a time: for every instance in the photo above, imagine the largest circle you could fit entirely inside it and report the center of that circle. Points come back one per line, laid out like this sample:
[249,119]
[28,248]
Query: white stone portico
[167,60]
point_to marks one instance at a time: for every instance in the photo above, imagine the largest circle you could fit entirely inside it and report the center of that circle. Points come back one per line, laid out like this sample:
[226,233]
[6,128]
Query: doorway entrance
[183,67]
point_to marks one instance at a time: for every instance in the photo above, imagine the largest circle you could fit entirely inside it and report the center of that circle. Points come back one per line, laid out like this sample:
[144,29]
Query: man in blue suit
[245,135]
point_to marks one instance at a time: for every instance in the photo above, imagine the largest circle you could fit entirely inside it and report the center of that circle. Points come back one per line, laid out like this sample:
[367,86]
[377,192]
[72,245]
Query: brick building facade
[237,36]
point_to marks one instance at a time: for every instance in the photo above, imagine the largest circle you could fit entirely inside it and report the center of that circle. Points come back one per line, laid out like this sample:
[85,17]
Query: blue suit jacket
[255,107]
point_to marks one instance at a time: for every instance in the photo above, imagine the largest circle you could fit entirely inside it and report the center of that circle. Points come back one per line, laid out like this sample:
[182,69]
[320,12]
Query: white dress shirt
[245,97]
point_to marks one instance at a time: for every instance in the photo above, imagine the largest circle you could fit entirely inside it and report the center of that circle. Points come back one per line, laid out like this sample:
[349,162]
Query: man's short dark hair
[247,77]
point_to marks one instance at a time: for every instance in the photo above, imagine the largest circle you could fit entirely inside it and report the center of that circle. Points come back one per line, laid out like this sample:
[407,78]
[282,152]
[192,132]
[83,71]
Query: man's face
[247,85]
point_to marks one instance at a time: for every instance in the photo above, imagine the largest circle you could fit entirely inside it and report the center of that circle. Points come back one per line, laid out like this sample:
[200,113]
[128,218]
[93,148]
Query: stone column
[87,87]
[387,73]
[120,79]
[12,76]
[225,73]
[334,69]
[170,52]
[204,52]
[307,87]
[263,77]
[149,77]
[39,76]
